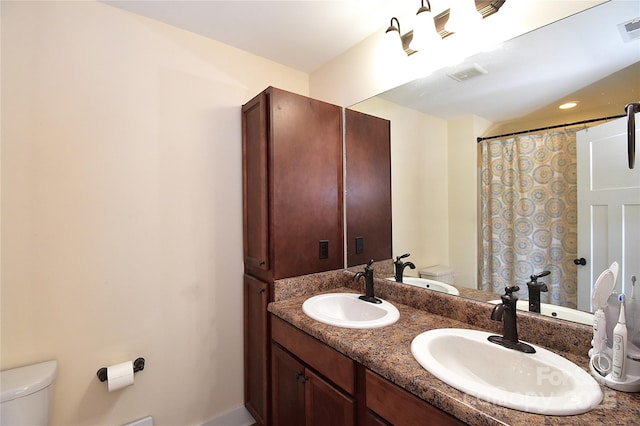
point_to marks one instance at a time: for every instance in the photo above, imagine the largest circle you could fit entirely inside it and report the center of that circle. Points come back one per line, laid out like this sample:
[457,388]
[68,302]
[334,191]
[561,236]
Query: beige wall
[121,208]
[463,197]
[419,182]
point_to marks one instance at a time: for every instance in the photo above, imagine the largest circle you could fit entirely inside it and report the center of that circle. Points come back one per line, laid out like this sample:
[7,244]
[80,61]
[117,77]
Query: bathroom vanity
[390,386]
[314,384]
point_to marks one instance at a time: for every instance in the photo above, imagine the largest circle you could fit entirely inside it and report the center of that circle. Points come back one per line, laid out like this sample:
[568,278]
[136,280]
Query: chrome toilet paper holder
[138,365]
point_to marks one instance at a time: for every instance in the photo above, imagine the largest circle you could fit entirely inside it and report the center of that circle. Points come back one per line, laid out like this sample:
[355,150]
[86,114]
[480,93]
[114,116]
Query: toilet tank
[26,394]
[442,273]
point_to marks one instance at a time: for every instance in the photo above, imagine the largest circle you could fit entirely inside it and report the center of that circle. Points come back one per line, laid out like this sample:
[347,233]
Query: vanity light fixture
[430,30]
[393,40]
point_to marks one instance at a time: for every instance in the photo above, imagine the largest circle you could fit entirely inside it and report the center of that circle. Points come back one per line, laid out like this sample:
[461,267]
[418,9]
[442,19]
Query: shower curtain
[529,214]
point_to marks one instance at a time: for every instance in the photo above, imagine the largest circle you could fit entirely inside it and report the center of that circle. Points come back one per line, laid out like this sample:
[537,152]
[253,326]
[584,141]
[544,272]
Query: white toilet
[442,273]
[26,394]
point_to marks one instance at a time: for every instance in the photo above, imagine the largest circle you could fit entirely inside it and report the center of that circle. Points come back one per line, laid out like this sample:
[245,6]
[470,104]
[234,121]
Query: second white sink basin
[430,284]
[347,310]
[541,383]
[555,311]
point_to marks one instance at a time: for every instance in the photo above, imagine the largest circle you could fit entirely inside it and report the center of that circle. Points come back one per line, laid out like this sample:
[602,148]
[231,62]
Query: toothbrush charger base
[631,384]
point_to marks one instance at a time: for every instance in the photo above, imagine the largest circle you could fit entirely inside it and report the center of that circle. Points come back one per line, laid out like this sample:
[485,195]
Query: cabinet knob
[582,261]
[302,378]
[262,263]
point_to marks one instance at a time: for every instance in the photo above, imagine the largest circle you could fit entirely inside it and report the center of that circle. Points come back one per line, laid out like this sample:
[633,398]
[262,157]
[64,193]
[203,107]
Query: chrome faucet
[368,282]
[400,265]
[535,288]
[506,312]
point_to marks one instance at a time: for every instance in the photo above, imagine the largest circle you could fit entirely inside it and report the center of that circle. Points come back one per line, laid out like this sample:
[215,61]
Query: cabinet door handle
[262,263]
[262,290]
[302,378]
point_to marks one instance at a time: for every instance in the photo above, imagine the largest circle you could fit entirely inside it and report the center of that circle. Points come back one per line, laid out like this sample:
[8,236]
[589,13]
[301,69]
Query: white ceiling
[300,34]
[307,34]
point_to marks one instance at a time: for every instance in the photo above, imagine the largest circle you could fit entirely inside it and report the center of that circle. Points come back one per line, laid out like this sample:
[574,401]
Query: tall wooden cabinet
[292,188]
[292,212]
[368,187]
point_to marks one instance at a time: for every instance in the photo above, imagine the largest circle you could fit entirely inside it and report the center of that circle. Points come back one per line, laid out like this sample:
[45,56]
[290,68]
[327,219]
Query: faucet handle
[398,258]
[534,281]
[512,289]
[369,266]
[535,277]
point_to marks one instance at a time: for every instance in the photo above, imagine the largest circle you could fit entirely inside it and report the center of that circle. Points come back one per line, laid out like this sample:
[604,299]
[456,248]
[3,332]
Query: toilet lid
[23,381]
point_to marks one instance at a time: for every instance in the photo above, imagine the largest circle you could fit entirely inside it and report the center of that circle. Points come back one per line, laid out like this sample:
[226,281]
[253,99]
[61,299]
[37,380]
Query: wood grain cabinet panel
[401,408]
[256,349]
[368,187]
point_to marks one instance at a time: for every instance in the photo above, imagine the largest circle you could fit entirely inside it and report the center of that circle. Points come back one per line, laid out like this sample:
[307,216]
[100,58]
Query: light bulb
[424,33]
[463,16]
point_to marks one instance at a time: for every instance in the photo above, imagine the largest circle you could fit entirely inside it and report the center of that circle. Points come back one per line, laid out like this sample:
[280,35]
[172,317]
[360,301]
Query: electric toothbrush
[601,291]
[619,345]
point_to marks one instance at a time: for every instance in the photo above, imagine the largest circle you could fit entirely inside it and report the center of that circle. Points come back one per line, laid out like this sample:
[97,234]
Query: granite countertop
[387,351]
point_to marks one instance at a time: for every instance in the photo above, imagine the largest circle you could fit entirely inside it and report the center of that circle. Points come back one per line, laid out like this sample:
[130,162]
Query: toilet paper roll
[120,376]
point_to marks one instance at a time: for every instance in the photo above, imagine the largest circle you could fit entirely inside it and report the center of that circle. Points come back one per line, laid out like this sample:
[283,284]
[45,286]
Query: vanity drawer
[335,366]
[399,407]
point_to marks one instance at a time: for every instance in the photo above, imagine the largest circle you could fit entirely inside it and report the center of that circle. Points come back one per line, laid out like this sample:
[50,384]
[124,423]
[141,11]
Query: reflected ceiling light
[463,15]
[569,105]
[425,33]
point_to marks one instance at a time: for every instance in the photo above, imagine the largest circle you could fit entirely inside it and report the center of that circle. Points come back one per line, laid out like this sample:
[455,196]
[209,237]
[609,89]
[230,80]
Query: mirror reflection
[443,182]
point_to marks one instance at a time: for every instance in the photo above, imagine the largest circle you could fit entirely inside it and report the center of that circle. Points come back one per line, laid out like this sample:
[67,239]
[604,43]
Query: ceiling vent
[630,30]
[464,74]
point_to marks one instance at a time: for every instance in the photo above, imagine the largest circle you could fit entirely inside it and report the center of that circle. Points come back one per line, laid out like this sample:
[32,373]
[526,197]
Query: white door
[608,207]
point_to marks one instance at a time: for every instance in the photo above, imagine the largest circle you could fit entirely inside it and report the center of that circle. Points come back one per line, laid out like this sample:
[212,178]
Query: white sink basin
[555,311]
[347,310]
[430,284]
[541,383]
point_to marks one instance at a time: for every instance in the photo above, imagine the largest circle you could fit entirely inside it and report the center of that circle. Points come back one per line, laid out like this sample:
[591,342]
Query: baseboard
[238,417]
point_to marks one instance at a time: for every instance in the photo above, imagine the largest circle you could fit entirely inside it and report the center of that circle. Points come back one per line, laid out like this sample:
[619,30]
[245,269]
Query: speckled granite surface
[387,350]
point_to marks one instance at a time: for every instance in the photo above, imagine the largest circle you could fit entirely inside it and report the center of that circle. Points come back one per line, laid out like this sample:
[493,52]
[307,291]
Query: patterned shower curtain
[529,214]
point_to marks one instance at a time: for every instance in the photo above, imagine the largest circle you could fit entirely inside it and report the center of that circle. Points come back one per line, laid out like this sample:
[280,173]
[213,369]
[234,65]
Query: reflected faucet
[506,312]
[400,265]
[535,288]
[368,281]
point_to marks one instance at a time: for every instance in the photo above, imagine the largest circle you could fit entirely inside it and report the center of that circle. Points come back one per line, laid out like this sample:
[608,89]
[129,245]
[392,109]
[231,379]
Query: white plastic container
[26,394]
[440,273]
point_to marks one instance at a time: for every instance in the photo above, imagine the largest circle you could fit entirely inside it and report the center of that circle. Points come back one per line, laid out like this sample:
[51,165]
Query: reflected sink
[430,284]
[540,383]
[555,311]
[347,310]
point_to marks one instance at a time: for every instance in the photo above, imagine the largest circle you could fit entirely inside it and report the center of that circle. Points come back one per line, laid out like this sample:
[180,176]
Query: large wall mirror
[591,57]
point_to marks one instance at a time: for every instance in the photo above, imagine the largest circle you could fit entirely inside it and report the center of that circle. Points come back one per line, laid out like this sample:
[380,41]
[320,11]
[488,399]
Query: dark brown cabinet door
[301,397]
[288,380]
[368,187]
[255,182]
[326,405]
[256,348]
[306,185]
